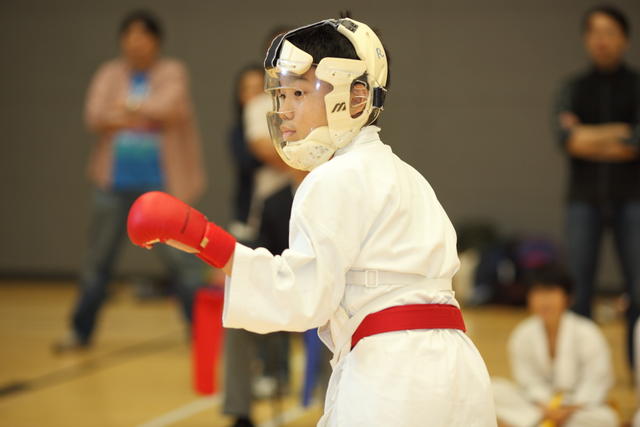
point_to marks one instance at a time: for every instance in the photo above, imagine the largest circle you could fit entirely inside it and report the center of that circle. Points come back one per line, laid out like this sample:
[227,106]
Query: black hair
[148,19]
[549,276]
[322,42]
[613,13]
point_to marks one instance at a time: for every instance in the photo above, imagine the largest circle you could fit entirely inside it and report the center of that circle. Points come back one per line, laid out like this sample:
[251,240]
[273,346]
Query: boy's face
[548,302]
[301,104]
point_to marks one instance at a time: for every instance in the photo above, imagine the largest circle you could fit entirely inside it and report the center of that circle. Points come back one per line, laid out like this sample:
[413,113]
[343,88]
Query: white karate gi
[581,370]
[365,209]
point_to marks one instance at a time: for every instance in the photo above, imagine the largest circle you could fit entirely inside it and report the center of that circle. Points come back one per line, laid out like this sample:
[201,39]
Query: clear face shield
[298,116]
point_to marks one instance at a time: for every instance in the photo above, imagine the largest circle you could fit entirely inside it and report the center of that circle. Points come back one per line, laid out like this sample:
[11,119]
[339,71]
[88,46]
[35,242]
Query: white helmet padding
[285,60]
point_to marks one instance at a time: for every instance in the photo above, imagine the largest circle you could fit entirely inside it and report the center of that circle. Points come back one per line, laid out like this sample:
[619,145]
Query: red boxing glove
[158,217]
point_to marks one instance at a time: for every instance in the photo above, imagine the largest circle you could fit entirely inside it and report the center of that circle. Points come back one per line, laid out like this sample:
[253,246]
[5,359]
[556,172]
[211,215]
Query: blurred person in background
[139,107]
[597,117]
[560,361]
[261,211]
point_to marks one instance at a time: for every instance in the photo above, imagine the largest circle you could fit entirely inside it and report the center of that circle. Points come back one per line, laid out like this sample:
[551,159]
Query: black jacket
[597,98]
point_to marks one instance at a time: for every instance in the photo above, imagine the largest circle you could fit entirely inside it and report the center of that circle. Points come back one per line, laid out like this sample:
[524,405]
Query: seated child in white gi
[560,361]
[371,250]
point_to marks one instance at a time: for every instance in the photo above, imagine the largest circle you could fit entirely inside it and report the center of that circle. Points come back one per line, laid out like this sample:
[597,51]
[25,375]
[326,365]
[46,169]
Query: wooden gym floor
[138,372]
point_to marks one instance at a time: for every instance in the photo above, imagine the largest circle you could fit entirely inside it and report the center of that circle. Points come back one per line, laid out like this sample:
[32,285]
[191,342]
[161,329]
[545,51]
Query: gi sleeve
[302,288]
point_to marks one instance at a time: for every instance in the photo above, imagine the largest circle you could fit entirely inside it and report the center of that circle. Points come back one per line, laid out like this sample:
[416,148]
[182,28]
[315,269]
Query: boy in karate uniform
[371,250]
[560,361]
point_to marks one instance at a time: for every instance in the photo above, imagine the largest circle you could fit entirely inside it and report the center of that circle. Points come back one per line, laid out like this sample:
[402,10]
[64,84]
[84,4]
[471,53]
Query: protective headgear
[335,78]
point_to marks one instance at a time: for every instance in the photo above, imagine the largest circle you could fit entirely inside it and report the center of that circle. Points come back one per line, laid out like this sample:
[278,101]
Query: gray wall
[468,107]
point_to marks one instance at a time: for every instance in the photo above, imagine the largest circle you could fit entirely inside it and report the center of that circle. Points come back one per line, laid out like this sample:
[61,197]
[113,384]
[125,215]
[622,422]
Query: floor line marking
[184,411]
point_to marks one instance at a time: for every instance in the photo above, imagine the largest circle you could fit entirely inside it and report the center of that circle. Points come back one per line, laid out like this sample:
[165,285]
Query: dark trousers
[585,226]
[106,236]
[241,349]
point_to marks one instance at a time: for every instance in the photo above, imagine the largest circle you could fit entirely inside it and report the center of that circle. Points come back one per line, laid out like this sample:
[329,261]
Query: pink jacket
[169,103]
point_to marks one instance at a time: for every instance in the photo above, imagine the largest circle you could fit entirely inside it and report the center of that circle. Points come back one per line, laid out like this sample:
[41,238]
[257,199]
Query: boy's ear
[358,99]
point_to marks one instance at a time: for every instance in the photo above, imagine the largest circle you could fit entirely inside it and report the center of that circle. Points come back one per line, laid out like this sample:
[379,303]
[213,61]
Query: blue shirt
[137,164]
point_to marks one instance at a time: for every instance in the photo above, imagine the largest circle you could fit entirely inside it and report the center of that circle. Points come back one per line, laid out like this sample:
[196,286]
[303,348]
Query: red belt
[405,317]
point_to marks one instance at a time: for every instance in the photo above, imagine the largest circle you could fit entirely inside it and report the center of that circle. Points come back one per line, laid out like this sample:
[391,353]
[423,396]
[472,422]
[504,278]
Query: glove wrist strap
[216,246]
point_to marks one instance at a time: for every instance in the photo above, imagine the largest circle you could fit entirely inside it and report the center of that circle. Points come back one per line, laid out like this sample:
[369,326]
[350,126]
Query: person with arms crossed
[139,107]
[597,120]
